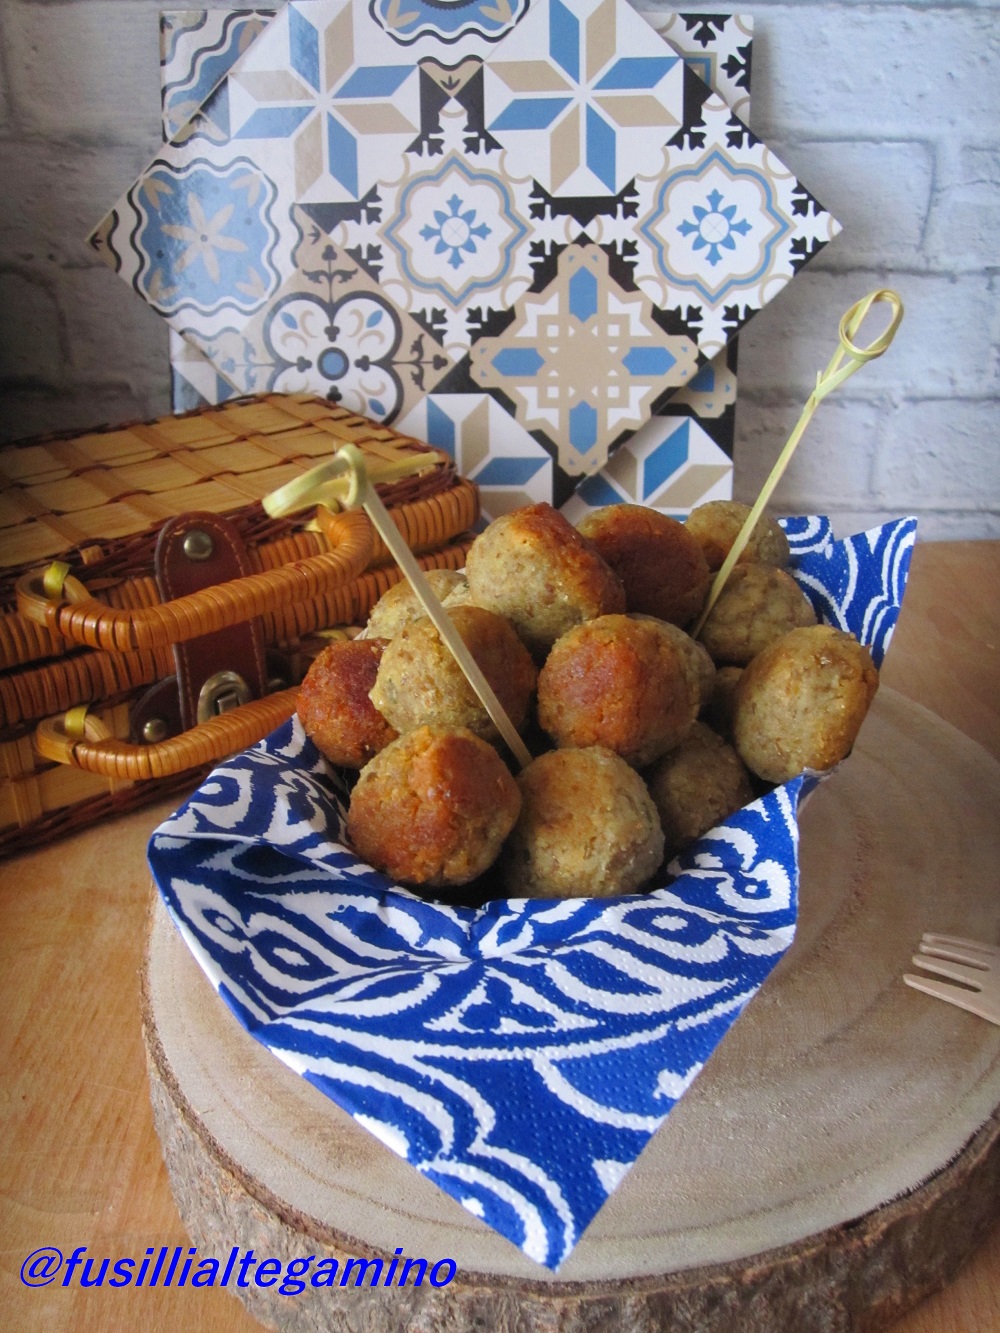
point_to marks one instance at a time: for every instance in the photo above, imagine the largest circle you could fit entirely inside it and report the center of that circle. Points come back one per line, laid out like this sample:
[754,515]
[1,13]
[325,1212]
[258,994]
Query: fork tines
[974,966]
[965,950]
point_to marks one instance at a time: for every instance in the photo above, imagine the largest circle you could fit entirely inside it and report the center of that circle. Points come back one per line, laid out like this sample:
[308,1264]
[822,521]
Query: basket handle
[80,739]
[84,619]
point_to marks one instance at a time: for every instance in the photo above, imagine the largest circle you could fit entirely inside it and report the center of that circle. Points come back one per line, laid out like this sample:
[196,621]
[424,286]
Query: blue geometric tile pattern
[452,1032]
[450,233]
[488,446]
[562,125]
[197,50]
[672,464]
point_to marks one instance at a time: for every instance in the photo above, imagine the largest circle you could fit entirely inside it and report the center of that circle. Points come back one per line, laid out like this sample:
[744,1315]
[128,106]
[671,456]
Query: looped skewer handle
[836,372]
[330,485]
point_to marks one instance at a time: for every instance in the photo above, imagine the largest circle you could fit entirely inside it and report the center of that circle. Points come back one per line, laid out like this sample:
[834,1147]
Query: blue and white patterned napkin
[521,1054]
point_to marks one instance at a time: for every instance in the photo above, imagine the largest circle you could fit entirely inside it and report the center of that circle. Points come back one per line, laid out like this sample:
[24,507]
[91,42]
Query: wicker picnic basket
[153,618]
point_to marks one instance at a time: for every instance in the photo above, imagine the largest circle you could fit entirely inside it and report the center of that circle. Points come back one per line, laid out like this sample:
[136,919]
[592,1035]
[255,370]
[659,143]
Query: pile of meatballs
[644,737]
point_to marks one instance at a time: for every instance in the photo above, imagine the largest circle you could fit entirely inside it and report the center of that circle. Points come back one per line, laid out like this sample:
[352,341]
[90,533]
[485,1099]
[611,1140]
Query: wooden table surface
[80,1163]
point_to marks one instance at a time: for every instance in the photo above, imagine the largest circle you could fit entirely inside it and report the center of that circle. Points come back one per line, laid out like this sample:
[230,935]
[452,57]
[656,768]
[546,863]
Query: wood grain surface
[80,1163]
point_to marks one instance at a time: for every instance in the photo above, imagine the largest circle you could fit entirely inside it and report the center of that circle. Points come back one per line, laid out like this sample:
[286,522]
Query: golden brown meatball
[717,524]
[587,828]
[533,567]
[334,707]
[433,808]
[758,605]
[400,606]
[696,786]
[420,682]
[620,683]
[659,562]
[697,659]
[800,703]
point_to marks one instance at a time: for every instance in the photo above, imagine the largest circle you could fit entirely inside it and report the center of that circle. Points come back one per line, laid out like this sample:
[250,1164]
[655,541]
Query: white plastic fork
[975,966]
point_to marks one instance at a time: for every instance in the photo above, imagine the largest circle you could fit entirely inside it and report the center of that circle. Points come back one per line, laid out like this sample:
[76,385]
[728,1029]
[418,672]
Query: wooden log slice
[836,1161]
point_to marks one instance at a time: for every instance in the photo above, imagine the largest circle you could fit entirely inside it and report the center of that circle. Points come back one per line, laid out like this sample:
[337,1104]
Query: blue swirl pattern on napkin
[520,1054]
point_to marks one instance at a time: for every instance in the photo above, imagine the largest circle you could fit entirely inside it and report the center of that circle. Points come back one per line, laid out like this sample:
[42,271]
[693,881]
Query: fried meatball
[696,786]
[420,682]
[533,567]
[433,808]
[717,524]
[400,606]
[660,564]
[718,710]
[620,683]
[758,605]
[800,703]
[697,659]
[334,707]
[588,828]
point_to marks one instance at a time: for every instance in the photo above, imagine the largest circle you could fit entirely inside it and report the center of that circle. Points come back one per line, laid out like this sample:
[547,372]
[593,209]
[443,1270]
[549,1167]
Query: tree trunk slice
[836,1161]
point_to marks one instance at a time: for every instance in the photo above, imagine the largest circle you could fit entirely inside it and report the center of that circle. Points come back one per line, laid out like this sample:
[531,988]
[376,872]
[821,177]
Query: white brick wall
[888,111]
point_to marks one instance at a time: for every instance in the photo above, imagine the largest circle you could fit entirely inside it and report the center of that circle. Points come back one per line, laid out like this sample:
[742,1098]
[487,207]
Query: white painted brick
[31,341]
[887,70]
[933,525]
[940,454]
[111,330]
[62,193]
[85,71]
[965,218]
[832,465]
[879,191]
[957,526]
[946,343]
[30,412]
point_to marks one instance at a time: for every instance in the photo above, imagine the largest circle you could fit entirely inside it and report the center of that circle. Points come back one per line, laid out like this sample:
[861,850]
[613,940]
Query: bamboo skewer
[826,381]
[347,472]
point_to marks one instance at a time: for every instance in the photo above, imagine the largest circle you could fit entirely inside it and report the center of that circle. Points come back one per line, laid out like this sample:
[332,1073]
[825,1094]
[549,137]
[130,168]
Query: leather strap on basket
[93,623]
[88,745]
[195,552]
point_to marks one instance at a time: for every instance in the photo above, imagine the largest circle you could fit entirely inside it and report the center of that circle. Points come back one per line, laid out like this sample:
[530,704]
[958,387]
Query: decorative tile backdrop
[509,466]
[547,211]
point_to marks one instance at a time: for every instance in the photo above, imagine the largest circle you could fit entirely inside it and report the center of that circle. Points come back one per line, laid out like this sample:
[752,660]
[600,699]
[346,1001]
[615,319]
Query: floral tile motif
[455,231]
[206,237]
[407,140]
[330,325]
[723,227]
[582,361]
[488,446]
